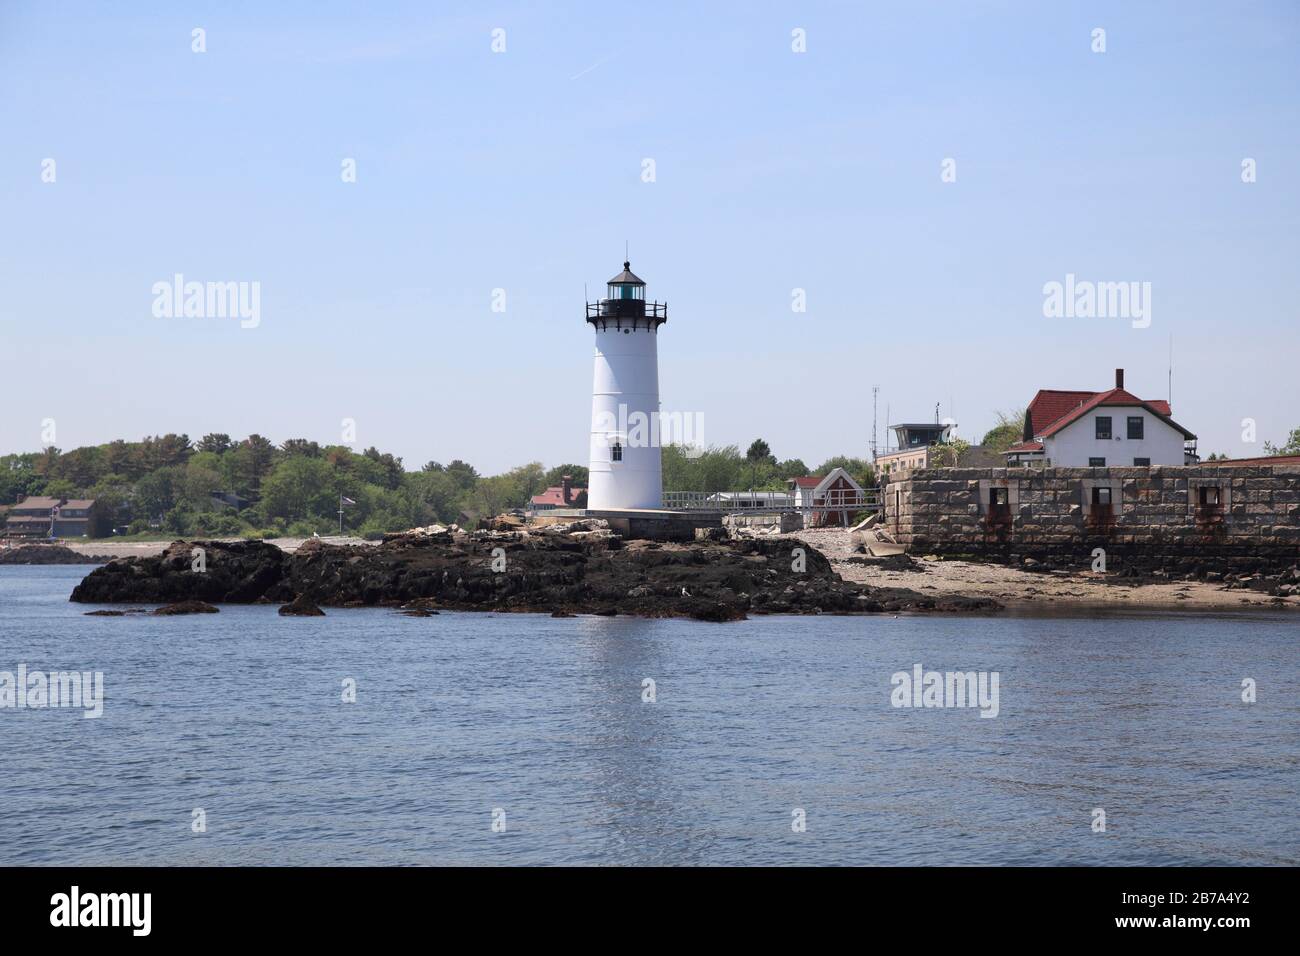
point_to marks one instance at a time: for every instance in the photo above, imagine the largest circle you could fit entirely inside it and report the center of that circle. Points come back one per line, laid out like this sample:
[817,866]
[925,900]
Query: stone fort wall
[1200,517]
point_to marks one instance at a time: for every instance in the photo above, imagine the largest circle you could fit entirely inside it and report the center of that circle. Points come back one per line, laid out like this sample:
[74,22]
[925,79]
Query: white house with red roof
[1108,429]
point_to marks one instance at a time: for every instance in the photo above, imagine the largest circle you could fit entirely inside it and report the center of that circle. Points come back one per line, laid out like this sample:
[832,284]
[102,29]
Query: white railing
[770,502]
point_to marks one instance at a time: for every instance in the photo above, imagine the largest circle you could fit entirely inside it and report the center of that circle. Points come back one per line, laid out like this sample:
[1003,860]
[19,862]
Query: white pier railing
[772,502]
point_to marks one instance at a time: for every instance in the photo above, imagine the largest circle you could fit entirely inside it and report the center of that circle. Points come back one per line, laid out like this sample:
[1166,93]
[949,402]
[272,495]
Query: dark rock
[237,572]
[301,607]
[186,607]
[546,572]
[106,613]
[716,611]
[49,554]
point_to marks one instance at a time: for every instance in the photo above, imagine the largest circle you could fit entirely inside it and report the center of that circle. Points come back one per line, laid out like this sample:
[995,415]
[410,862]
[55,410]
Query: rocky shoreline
[574,569]
[49,554]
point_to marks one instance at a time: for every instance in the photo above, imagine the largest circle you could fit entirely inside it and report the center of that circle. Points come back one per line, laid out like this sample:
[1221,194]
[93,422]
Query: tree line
[253,487]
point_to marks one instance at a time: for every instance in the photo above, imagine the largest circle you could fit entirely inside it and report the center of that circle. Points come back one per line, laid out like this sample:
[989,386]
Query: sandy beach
[1040,592]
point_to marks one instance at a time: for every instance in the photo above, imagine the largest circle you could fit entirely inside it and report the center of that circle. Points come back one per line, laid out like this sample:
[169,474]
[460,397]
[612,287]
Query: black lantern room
[624,305]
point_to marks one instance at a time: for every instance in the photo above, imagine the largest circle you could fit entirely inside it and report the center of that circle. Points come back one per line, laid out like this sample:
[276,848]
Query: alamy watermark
[179,299]
[1084,299]
[922,688]
[638,429]
[37,690]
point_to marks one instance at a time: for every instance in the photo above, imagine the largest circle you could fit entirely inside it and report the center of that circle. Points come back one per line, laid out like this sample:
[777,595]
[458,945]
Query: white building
[625,464]
[1107,429]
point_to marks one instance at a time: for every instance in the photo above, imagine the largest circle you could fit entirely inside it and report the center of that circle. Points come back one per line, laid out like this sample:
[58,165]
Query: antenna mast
[875,395]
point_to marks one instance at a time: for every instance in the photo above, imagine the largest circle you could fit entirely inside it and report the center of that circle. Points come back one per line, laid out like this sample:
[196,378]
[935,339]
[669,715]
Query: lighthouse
[625,465]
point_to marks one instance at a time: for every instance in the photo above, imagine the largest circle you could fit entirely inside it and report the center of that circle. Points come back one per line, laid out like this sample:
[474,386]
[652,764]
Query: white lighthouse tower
[625,465]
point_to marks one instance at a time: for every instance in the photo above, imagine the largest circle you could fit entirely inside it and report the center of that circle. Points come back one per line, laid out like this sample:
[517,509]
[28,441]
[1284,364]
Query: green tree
[392,468]
[1009,430]
[299,488]
[253,460]
[949,454]
[861,469]
[760,452]
[301,446]
[578,473]
[1292,446]
[216,442]
[47,461]
[155,493]
[462,473]
[708,470]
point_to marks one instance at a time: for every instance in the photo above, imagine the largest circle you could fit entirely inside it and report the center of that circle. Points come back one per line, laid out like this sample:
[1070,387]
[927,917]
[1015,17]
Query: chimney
[566,489]
[1119,378]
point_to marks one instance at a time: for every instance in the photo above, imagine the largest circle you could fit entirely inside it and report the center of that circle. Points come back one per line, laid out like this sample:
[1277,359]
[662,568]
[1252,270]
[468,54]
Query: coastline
[1035,592]
[1019,591]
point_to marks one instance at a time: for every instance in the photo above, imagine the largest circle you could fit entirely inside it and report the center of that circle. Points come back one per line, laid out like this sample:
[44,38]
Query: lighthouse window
[616,452]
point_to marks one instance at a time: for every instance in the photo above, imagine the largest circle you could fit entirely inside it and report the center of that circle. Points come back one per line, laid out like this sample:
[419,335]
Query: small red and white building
[831,499]
[563,495]
[1114,428]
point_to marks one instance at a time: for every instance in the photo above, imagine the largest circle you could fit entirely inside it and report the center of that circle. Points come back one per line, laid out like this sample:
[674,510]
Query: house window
[1103,426]
[998,497]
[1135,426]
[1101,496]
[1142,462]
[1209,495]
[1097,462]
[616,452]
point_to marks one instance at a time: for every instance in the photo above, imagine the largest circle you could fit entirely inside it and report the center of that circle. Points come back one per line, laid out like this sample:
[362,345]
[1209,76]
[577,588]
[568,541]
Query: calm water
[240,713]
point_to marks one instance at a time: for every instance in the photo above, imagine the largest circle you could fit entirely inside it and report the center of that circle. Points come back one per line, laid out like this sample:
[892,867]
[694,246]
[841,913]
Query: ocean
[483,738]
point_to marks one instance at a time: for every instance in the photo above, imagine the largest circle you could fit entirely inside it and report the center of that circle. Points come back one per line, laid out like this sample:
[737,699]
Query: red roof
[555,496]
[1027,446]
[808,481]
[1050,405]
[1116,396]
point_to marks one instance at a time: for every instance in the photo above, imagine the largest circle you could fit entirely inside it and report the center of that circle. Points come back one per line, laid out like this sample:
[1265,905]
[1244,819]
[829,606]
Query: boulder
[301,607]
[186,607]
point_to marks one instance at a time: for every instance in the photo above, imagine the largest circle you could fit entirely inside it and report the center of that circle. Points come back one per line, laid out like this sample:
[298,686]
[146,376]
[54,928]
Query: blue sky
[522,170]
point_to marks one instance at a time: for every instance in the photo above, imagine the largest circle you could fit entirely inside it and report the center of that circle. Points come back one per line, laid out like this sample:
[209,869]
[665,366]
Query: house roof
[1115,396]
[818,483]
[37,501]
[76,503]
[555,496]
[1026,446]
[1050,405]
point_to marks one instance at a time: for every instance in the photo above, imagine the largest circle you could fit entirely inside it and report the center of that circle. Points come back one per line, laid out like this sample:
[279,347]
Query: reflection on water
[457,715]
